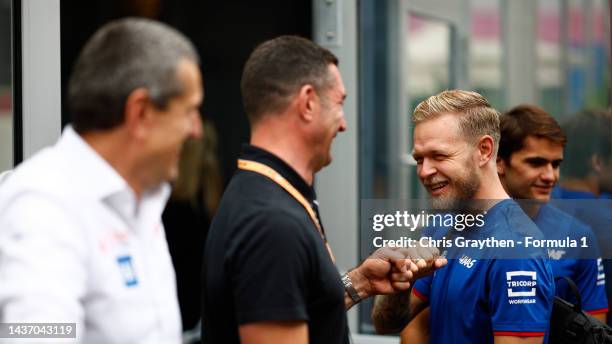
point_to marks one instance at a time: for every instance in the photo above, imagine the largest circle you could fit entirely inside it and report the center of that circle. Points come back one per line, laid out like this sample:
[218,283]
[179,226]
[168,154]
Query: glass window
[424,56]
[575,72]
[409,54]
[486,73]
[587,123]
[426,62]
[428,71]
[373,95]
[599,95]
[573,56]
[550,58]
[6,108]
[428,68]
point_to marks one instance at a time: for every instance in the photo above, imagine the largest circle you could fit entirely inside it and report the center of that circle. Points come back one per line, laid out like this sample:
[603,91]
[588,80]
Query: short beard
[466,189]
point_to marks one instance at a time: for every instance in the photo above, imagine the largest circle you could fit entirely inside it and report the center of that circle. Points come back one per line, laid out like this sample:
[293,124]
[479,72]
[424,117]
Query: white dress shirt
[77,247]
[4,175]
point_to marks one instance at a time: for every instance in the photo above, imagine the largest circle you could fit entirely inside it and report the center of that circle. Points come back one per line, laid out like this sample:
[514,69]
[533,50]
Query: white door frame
[41,116]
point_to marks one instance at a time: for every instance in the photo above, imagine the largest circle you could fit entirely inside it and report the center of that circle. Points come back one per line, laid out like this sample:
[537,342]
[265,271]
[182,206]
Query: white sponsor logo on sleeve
[526,287]
[601,276]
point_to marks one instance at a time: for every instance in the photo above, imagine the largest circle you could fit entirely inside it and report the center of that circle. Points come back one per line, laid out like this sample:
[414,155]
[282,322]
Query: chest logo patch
[555,254]
[127,271]
[467,261]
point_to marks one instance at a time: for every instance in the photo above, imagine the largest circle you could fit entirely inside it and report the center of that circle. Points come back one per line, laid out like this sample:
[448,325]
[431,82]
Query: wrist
[350,290]
[360,283]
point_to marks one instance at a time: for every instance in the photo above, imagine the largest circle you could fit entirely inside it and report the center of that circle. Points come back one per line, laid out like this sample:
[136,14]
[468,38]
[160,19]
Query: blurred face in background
[533,171]
[605,174]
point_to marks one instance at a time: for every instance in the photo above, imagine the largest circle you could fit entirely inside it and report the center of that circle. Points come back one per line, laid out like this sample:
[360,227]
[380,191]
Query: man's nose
[426,169]
[342,125]
[549,174]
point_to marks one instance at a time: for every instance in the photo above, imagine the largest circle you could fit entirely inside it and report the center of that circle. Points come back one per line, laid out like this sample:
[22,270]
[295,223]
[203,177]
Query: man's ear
[136,112]
[307,102]
[486,149]
[501,166]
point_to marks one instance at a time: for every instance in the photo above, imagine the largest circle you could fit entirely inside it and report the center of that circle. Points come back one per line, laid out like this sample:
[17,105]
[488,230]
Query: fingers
[428,253]
[400,286]
[401,281]
[390,270]
[402,264]
[388,254]
[414,267]
[424,260]
[440,262]
[396,256]
[401,276]
[418,261]
[415,253]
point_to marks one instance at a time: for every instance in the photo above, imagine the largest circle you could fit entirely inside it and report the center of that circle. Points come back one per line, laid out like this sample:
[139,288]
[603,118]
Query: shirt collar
[250,152]
[559,192]
[543,213]
[96,178]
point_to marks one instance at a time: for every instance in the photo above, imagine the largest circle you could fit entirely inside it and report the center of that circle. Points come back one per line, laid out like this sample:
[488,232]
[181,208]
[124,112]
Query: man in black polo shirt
[269,274]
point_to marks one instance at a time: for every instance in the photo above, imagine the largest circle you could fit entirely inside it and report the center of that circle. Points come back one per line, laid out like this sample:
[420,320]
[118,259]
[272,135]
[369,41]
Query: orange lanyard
[276,177]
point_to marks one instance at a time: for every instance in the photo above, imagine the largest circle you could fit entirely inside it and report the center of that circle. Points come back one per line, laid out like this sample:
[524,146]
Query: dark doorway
[225,32]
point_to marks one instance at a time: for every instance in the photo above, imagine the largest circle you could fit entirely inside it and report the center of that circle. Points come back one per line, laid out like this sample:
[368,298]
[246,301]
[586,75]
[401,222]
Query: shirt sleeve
[270,270]
[520,296]
[590,280]
[42,263]
[590,277]
[422,288]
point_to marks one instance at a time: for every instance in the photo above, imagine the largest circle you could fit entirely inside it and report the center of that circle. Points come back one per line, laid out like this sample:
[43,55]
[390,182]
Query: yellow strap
[276,177]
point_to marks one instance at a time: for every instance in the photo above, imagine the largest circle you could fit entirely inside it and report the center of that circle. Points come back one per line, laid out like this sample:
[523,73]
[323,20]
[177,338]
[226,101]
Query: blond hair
[476,116]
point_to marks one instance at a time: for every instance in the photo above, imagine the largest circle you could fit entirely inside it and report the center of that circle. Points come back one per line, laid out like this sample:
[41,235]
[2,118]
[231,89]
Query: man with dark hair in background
[586,179]
[587,174]
[479,298]
[528,163]
[81,238]
[269,273]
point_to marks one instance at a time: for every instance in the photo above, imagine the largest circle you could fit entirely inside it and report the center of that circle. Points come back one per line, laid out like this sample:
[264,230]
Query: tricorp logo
[521,283]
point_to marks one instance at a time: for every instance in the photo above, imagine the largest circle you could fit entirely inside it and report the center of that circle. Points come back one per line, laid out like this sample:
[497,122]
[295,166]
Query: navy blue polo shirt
[582,265]
[597,214]
[474,299]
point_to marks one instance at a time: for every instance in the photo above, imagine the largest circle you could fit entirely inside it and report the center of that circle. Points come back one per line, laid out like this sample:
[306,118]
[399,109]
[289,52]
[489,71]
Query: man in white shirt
[81,237]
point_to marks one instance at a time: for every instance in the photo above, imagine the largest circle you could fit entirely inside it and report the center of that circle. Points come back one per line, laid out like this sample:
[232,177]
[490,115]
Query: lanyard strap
[276,177]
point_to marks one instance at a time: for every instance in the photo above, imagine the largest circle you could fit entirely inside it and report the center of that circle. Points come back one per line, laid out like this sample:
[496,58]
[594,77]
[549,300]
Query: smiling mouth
[543,188]
[437,187]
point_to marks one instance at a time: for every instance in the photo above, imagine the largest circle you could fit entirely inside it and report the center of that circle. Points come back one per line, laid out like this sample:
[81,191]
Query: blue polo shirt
[597,214]
[583,265]
[472,300]
[562,193]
